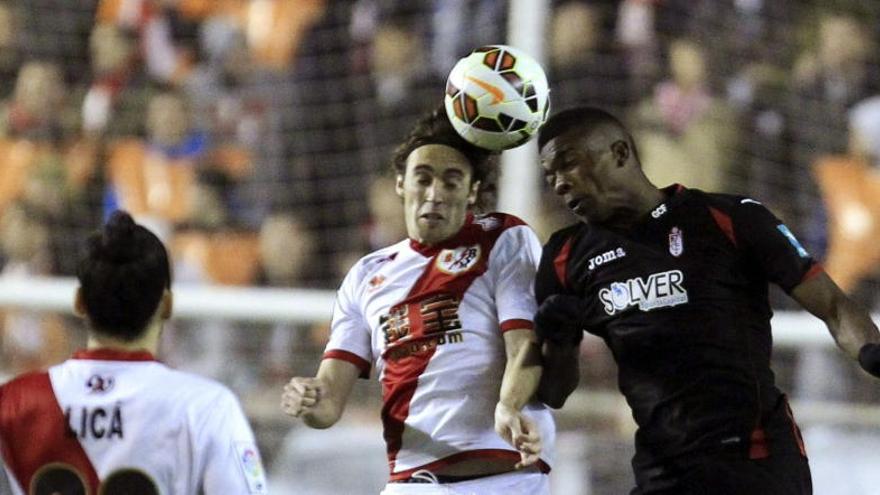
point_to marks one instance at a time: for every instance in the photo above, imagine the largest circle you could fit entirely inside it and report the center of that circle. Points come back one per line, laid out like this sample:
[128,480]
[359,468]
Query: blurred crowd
[254,135]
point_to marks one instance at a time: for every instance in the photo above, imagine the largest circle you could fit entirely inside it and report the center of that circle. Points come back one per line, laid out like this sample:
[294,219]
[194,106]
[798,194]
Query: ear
[166,305]
[621,151]
[398,185]
[79,304]
[473,194]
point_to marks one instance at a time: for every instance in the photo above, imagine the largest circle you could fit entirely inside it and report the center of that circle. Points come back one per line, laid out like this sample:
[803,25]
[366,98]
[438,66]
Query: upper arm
[771,246]
[350,337]
[514,261]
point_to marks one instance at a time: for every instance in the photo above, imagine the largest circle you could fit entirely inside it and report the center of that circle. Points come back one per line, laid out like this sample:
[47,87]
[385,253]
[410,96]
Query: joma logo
[606,257]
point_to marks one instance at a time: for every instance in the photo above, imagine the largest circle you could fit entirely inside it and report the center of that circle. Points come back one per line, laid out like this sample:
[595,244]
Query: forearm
[561,373]
[851,327]
[522,374]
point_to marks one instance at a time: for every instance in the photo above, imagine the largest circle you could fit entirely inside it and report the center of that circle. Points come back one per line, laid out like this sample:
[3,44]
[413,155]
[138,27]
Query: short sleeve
[233,465]
[771,245]
[350,338]
[514,261]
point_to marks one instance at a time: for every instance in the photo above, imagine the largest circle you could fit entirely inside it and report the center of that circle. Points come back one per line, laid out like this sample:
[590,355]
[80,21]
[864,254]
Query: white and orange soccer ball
[497,97]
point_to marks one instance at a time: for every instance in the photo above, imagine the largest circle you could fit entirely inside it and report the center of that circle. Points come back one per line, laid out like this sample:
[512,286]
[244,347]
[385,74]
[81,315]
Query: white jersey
[120,422]
[430,320]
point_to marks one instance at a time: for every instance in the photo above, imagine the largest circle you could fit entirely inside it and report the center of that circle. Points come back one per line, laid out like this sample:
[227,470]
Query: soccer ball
[497,97]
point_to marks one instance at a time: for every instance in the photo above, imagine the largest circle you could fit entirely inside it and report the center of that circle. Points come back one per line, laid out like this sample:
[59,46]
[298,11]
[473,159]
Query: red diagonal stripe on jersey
[34,431]
[401,376]
[724,223]
[560,263]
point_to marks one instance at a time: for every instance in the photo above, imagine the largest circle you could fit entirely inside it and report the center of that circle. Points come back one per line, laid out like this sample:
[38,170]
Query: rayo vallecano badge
[676,242]
[458,260]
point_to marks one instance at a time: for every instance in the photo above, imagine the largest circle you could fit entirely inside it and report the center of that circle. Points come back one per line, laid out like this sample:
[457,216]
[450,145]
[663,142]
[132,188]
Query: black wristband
[869,359]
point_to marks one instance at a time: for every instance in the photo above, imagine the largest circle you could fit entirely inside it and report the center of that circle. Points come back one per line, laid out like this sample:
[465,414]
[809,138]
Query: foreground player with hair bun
[675,281]
[112,419]
[445,319]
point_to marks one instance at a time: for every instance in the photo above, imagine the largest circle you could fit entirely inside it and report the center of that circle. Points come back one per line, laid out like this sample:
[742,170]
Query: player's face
[437,190]
[585,175]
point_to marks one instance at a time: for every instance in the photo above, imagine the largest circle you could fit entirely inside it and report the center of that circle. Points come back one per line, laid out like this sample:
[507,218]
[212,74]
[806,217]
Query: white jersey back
[430,320]
[125,423]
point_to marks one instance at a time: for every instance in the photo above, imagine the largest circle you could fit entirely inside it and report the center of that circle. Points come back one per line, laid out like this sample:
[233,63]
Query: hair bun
[118,238]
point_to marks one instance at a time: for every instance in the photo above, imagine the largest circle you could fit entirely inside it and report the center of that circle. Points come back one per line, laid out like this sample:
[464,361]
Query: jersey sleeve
[514,261]
[551,275]
[771,245]
[233,465]
[350,338]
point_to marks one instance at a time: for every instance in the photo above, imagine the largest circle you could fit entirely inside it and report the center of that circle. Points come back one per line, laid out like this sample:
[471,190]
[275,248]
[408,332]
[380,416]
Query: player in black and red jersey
[675,281]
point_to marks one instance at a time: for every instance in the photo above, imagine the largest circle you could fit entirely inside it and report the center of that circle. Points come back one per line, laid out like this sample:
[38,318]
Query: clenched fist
[301,394]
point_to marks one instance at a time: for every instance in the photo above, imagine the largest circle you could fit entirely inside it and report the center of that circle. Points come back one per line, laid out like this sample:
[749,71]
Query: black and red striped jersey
[681,299]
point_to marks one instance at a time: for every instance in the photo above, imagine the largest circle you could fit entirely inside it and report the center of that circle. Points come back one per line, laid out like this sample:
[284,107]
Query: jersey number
[63,479]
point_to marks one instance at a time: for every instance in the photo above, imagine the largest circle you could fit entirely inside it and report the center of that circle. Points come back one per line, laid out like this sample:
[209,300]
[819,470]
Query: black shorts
[776,475]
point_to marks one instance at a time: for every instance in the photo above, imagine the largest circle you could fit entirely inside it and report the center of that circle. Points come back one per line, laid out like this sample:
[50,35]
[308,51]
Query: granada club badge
[458,260]
[676,242]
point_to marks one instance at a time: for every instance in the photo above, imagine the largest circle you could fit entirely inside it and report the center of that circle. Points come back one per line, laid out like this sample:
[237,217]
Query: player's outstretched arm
[320,401]
[518,386]
[849,323]
[558,326]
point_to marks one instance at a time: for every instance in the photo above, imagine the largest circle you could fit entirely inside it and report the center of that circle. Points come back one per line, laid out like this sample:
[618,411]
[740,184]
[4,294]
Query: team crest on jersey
[98,384]
[375,282]
[487,223]
[249,460]
[663,289]
[676,242]
[458,260]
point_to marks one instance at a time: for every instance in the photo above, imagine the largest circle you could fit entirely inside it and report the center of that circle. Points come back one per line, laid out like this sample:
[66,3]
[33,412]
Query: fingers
[528,443]
[300,395]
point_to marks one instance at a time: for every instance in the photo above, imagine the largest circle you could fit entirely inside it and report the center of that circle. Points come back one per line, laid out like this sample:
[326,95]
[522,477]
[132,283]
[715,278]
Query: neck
[149,341]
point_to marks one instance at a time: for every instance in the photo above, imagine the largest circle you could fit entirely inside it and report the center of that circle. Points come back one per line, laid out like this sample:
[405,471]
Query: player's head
[440,176]
[589,159]
[125,280]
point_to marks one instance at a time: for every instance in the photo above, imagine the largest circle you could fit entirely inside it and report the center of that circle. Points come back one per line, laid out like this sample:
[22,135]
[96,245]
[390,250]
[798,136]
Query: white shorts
[512,483]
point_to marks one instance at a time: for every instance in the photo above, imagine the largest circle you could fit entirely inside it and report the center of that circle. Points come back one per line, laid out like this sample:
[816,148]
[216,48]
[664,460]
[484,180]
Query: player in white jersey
[445,319]
[112,420]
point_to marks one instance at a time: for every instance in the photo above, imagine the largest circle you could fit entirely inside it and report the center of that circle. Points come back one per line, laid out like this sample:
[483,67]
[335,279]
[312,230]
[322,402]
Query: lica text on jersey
[97,423]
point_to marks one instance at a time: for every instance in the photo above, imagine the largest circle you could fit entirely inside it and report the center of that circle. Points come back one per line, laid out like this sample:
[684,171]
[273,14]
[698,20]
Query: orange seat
[226,258]
[851,191]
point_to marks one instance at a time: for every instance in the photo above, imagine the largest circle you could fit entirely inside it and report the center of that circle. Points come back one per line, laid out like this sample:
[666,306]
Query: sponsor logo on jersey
[663,289]
[659,211]
[439,320]
[606,257]
[487,223]
[252,467]
[793,240]
[676,242]
[458,260]
[98,384]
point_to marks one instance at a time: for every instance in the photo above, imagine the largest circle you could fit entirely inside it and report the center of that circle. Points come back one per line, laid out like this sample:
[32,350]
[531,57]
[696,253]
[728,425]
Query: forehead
[439,158]
[567,142]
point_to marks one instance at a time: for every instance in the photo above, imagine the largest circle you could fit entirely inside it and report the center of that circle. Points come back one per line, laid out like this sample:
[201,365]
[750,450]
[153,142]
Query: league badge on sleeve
[793,240]
[676,242]
[252,467]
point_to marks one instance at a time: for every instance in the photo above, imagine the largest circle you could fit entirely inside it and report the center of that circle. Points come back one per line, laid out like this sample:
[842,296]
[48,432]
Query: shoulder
[200,395]
[495,220]
[23,388]
[562,236]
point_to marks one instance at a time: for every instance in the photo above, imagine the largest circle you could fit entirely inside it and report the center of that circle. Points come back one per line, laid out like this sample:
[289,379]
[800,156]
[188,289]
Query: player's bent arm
[522,372]
[848,323]
[561,373]
[335,380]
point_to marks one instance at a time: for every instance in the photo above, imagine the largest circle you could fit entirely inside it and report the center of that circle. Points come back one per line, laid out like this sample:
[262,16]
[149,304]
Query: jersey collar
[426,250]
[105,354]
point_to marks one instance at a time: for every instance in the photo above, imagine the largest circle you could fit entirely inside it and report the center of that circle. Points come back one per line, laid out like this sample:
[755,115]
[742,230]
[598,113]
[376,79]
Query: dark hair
[435,128]
[122,277]
[584,118]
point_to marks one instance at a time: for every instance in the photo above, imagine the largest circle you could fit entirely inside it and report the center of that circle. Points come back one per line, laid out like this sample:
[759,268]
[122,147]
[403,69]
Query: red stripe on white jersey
[27,446]
[361,363]
[401,374]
